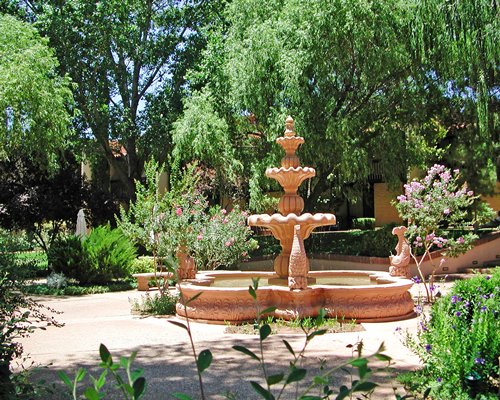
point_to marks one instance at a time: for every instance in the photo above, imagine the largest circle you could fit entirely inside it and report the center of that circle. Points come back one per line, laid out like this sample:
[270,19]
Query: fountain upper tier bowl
[376,297]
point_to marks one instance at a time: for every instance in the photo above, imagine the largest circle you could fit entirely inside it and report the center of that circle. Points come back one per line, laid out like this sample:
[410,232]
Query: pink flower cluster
[436,170]
[438,178]
[413,187]
[436,240]
[431,239]
[418,242]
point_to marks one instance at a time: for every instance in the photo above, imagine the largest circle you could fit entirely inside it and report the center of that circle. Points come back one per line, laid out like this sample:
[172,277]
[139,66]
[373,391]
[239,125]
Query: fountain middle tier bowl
[364,296]
[290,178]
[280,224]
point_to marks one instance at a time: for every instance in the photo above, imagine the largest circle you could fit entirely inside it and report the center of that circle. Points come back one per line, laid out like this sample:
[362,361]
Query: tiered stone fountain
[222,296]
[289,222]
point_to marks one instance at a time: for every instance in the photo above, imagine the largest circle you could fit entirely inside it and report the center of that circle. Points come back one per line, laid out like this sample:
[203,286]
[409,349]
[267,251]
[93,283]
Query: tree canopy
[35,102]
[458,42]
[356,78]
[340,69]
[377,82]
[121,54]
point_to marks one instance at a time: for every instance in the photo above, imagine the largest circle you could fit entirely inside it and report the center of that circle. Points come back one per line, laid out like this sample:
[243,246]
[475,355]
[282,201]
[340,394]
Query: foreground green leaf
[204,360]
[264,331]
[274,379]
[246,351]
[139,387]
[266,394]
[296,375]
[364,387]
[105,355]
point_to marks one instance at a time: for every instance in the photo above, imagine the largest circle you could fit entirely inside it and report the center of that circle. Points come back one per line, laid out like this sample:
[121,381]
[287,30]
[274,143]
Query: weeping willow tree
[365,80]
[339,68]
[458,42]
[34,100]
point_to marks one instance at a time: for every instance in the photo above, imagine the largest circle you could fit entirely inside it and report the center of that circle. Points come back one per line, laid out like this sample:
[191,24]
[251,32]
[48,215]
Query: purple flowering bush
[432,206]
[460,338]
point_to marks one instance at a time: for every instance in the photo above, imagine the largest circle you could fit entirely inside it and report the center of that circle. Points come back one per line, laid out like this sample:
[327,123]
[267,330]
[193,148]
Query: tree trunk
[312,201]
[125,176]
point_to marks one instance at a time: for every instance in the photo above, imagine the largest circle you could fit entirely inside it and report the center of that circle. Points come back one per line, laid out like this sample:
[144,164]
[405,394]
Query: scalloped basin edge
[388,299]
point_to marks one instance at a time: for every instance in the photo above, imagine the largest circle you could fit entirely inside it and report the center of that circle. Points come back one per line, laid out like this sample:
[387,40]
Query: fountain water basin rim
[376,279]
[386,298]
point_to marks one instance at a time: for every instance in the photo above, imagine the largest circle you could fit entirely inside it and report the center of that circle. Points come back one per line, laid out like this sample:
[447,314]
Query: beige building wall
[385,212]
[493,201]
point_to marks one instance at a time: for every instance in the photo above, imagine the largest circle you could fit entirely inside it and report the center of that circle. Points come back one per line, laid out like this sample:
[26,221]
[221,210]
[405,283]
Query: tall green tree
[342,69]
[35,102]
[459,43]
[119,53]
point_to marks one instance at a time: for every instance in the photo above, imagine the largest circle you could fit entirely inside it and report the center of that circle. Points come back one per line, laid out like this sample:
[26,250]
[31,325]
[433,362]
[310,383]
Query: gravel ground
[164,351]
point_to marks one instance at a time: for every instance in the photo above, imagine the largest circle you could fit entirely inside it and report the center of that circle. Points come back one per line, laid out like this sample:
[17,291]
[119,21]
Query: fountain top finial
[289,127]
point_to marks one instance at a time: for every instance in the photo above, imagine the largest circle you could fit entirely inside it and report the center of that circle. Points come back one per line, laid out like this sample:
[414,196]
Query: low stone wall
[486,249]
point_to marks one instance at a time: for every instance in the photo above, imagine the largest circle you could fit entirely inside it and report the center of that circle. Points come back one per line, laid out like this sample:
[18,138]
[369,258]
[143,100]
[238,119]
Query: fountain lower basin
[375,297]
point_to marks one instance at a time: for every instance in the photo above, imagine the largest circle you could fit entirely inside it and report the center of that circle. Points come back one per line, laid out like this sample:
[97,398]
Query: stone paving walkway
[164,351]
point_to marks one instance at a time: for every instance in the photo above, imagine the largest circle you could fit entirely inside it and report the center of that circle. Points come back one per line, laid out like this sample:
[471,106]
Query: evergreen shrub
[67,256]
[363,223]
[106,254]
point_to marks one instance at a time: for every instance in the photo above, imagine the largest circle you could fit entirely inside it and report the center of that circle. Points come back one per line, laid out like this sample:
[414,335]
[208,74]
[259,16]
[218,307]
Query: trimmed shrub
[267,245]
[142,264]
[78,290]
[14,241]
[363,223]
[106,254]
[376,243]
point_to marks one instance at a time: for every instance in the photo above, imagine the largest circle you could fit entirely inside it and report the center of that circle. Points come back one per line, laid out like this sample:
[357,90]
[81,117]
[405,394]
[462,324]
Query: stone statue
[399,262]
[187,267]
[298,266]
